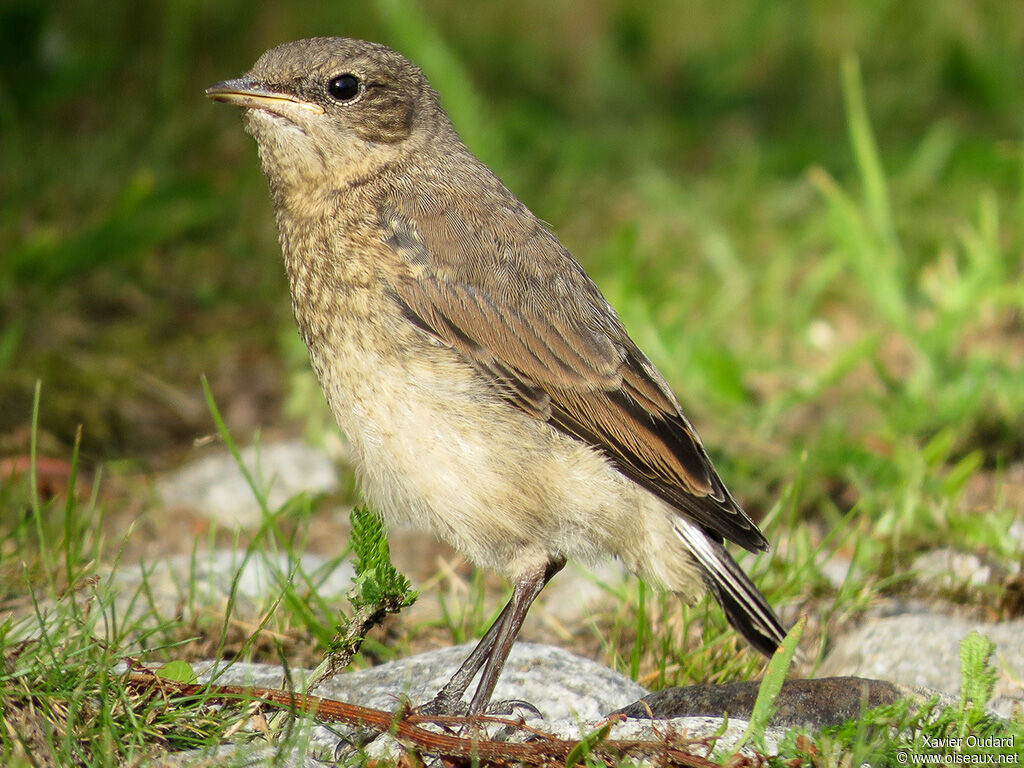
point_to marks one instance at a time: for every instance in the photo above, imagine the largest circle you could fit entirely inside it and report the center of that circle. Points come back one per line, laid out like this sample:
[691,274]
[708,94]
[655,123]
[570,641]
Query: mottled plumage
[490,392]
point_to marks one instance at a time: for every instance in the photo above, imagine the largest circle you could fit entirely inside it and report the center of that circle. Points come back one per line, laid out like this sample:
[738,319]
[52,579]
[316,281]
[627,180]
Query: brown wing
[529,318]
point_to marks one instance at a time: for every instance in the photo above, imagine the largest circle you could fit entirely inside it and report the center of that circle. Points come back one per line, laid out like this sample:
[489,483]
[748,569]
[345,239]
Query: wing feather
[570,363]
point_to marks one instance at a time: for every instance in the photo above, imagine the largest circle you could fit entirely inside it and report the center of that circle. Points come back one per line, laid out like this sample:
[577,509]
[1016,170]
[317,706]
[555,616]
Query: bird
[490,393]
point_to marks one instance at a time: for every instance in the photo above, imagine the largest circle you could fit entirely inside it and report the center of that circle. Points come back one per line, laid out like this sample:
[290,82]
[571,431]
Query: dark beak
[247,93]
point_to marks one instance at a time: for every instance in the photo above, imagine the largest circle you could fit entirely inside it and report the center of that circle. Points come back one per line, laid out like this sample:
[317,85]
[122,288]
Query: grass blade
[771,684]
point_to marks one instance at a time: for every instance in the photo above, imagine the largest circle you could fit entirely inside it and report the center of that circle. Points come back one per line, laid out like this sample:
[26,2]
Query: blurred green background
[823,257]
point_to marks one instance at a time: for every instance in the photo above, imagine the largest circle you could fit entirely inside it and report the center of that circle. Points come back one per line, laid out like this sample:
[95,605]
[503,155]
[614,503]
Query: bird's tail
[745,607]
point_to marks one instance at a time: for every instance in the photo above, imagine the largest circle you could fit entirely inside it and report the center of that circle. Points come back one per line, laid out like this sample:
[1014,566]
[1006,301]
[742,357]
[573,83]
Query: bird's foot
[442,706]
[514,708]
[354,739]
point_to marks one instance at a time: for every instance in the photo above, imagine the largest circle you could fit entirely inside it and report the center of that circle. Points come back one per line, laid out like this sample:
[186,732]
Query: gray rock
[1016,532]
[923,651]
[836,569]
[215,487]
[574,693]
[681,728]
[204,581]
[720,742]
[947,569]
[809,703]
[566,688]
[560,684]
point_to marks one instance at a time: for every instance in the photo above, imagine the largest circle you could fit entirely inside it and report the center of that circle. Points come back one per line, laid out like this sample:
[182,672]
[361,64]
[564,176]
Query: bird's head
[329,111]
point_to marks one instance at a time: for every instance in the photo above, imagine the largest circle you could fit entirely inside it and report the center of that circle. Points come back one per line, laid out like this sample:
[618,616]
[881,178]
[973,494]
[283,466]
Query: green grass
[811,218]
[70,631]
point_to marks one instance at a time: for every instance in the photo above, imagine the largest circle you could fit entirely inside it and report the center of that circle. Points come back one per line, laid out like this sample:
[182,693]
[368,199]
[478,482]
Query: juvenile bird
[489,391]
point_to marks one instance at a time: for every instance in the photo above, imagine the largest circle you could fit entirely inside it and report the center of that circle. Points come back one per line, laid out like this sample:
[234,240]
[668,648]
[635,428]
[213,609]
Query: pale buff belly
[437,450]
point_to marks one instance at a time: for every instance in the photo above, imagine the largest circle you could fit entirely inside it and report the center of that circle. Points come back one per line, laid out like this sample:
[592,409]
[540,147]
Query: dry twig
[542,750]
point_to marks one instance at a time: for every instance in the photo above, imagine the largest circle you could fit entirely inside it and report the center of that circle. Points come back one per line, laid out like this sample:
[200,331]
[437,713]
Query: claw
[513,707]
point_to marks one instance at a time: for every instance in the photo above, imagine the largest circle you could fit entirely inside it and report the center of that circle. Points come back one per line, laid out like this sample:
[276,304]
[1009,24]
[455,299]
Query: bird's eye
[343,87]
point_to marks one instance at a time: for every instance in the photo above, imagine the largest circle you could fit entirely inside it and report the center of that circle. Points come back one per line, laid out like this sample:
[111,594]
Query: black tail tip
[762,630]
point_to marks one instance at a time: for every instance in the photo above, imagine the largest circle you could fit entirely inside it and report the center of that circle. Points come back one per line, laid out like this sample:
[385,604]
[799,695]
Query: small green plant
[379,590]
[978,679]
[377,582]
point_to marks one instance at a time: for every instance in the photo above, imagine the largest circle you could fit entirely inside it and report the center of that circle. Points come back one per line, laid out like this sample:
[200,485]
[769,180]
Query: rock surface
[215,487]
[205,581]
[575,694]
[949,569]
[718,743]
[923,651]
[811,703]
[562,685]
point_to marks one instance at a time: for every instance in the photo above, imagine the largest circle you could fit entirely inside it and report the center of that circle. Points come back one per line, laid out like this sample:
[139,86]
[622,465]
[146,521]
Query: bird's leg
[447,699]
[493,648]
[524,593]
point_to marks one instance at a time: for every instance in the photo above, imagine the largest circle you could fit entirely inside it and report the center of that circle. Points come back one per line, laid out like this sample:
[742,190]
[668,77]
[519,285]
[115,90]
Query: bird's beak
[248,93]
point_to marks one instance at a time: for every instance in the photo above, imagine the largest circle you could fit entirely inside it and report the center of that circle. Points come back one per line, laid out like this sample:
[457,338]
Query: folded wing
[568,362]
